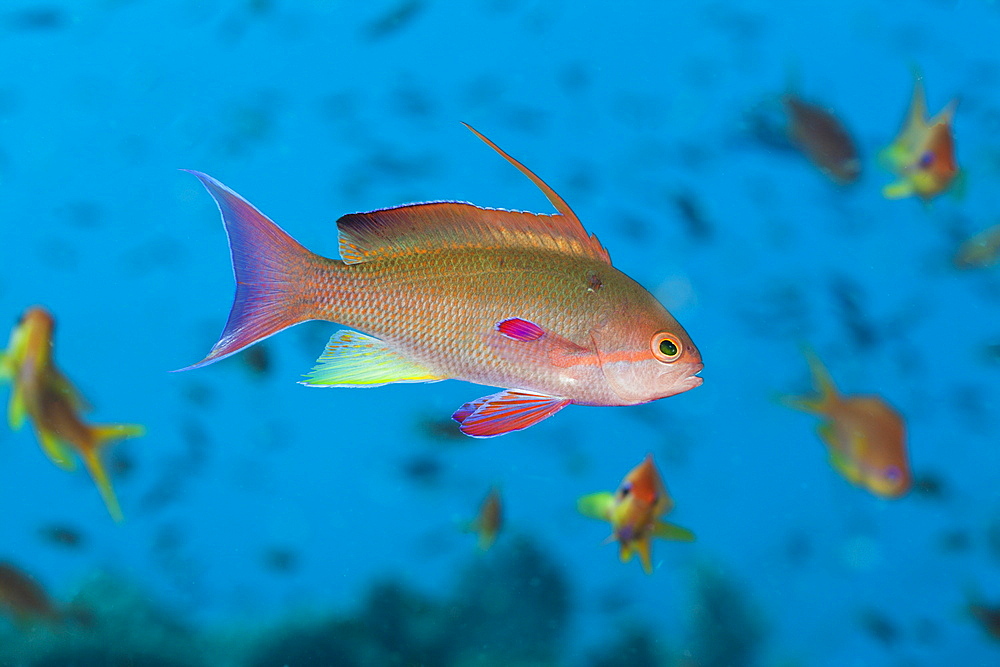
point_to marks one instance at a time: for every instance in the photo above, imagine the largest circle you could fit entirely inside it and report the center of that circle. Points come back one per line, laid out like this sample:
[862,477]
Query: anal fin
[670,531]
[352,359]
[506,411]
[56,450]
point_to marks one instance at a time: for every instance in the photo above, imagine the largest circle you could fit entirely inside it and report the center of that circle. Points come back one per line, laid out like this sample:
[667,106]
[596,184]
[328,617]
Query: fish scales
[440,308]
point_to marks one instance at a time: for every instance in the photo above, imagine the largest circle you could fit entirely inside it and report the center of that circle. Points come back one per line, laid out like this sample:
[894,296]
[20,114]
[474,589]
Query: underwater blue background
[315,109]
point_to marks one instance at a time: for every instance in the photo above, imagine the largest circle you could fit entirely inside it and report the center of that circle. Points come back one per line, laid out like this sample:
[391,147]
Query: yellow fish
[865,437]
[42,393]
[634,512]
[923,154]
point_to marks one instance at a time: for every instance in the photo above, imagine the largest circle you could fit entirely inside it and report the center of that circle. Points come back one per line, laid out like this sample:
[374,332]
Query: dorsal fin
[454,225]
[557,202]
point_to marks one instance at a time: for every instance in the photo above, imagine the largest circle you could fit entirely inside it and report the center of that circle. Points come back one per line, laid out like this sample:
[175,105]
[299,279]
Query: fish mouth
[694,379]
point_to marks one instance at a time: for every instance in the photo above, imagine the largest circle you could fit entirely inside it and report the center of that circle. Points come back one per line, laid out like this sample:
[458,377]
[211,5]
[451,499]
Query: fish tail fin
[270,268]
[103,436]
[827,392]
[821,376]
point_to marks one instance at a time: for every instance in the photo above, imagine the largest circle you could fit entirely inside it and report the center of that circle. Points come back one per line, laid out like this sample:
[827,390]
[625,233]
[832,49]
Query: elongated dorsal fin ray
[558,202]
[451,225]
[917,116]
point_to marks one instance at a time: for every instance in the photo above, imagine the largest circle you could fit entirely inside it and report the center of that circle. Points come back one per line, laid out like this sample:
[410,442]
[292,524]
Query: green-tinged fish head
[645,354]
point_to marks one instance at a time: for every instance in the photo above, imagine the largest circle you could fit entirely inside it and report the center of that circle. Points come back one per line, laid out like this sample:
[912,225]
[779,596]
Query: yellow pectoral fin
[898,190]
[6,367]
[669,531]
[56,450]
[100,476]
[596,505]
[16,409]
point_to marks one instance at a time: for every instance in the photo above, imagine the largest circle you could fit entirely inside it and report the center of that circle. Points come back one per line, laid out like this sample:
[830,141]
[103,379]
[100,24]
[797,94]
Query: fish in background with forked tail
[43,394]
[440,290]
[923,154]
[864,435]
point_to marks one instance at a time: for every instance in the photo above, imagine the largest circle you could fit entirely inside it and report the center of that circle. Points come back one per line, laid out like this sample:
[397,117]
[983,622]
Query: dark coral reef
[510,607]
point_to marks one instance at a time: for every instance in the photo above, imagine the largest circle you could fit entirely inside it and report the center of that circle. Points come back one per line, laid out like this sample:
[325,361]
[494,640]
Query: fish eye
[926,159]
[666,347]
[625,489]
[893,474]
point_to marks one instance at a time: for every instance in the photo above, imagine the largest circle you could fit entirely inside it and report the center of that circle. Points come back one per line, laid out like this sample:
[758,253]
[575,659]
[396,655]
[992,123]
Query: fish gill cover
[267,523]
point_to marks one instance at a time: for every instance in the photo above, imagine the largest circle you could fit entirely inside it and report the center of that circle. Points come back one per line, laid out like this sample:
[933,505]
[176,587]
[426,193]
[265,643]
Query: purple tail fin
[269,266]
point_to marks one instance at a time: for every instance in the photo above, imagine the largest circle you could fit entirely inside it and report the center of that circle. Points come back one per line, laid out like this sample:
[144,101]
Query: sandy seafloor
[253,500]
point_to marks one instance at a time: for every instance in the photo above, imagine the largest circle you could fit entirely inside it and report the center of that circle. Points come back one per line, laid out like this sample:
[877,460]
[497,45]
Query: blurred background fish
[923,154]
[42,393]
[822,138]
[634,512]
[864,436]
[488,521]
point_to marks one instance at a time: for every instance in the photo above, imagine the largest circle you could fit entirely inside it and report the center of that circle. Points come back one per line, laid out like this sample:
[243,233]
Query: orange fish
[980,251]
[823,139]
[923,154]
[634,512]
[865,437]
[23,599]
[42,393]
[489,520]
[527,302]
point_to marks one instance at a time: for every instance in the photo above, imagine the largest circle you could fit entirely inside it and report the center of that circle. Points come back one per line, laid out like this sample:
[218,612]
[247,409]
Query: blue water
[316,109]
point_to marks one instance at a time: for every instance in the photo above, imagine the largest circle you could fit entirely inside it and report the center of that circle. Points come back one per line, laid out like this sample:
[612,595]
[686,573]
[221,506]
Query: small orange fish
[865,437]
[923,154]
[823,139]
[980,251]
[42,393]
[23,599]
[489,520]
[528,303]
[634,511]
